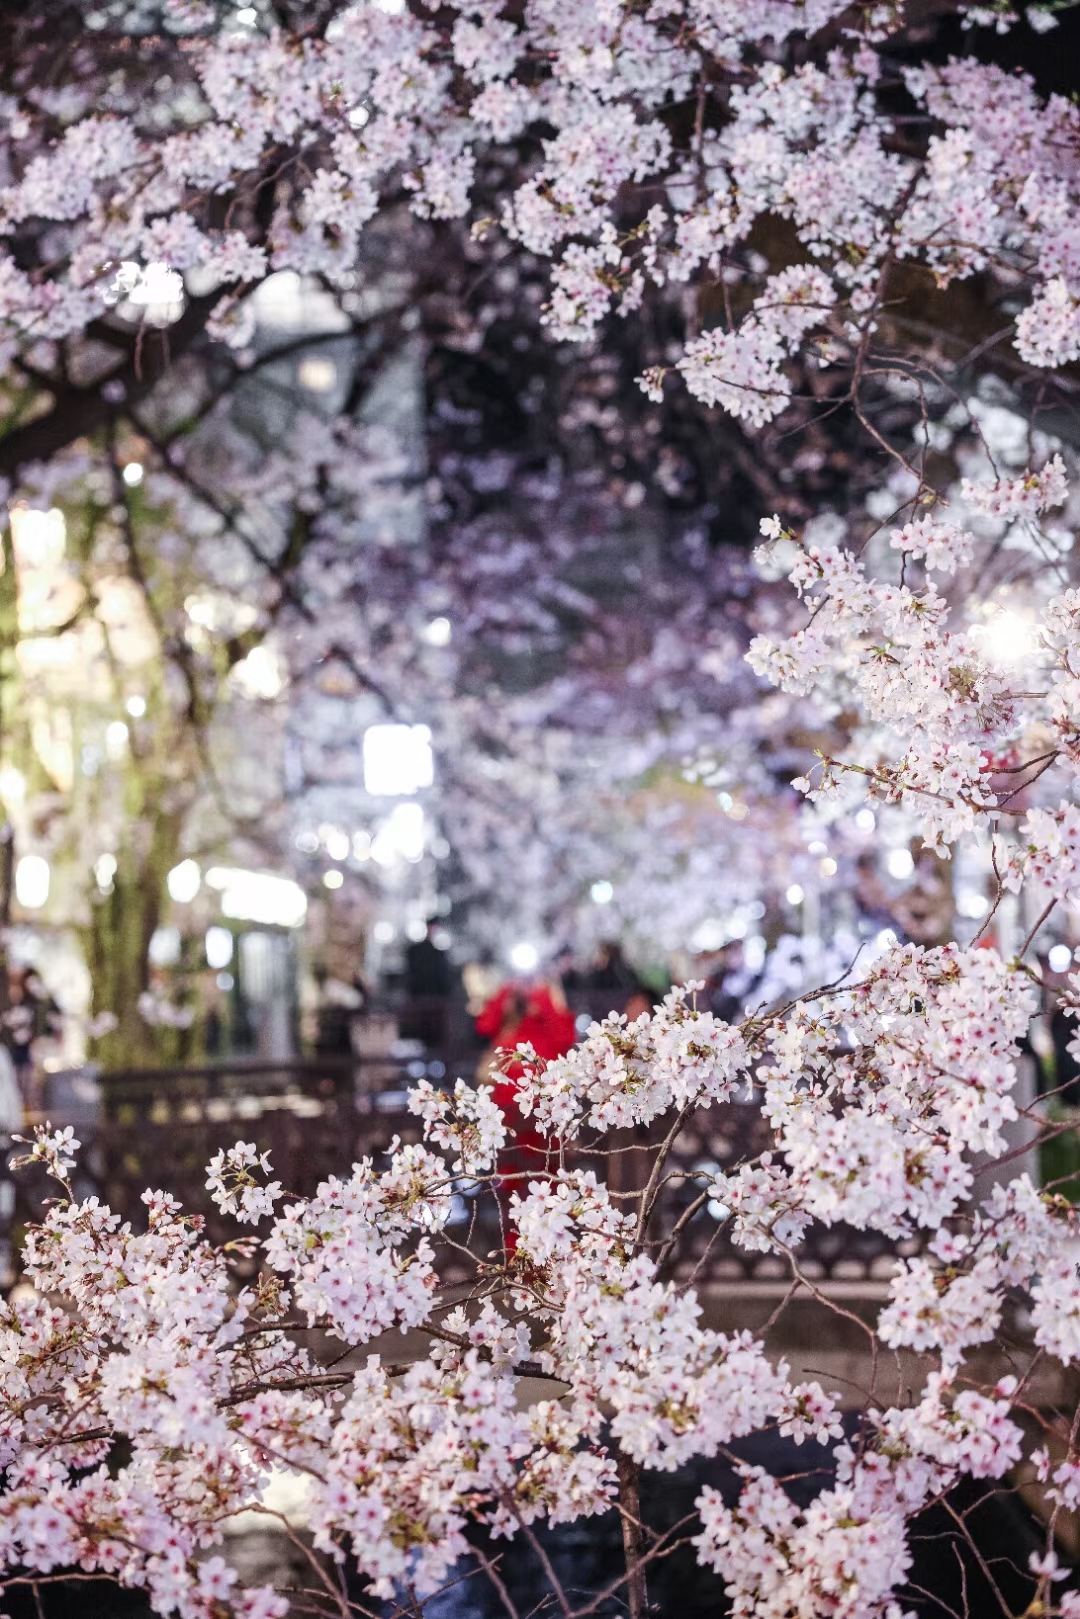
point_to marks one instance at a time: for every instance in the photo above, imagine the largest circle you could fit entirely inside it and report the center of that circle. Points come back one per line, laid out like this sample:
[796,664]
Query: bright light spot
[221,615]
[397,760]
[219,947]
[359,117]
[1006,638]
[247,16]
[156,288]
[601,893]
[438,632]
[524,958]
[104,870]
[971,903]
[361,845]
[38,537]
[755,910]
[718,1210]
[886,939]
[817,847]
[383,932]
[258,896]
[116,739]
[316,373]
[900,863]
[224,981]
[866,820]
[32,882]
[827,867]
[442,939]
[725,801]
[133,474]
[416,930]
[402,836]
[391,6]
[709,935]
[794,895]
[260,674]
[136,707]
[12,785]
[184,882]
[164,948]
[754,953]
[307,842]
[1059,958]
[332,879]
[337,844]
[738,812]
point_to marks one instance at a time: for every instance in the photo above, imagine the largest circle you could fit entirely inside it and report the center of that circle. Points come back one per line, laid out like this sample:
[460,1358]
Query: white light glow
[155,288]
[969,902]
[316,373]
[794,895]
[32,882]
[104,870]
[12,785]
[38,537]
[332,879]
[136,707]
[247,16]
[219,947]
[184,882]
[866,820]
[397,760]
[358,117]
[1059,959]
[337,844]
[601,893]
[438,632]
[260,674]
[116,739]
[524,957]
[1006,638]
[416,929]
[165,946]
[133,474]
[900,863]
[827,867]
[401,837]
[709,935]
[384,932]
[258,896]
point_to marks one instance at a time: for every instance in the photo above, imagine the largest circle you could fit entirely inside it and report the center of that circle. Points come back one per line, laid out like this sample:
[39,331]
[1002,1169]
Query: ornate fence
[159,1128]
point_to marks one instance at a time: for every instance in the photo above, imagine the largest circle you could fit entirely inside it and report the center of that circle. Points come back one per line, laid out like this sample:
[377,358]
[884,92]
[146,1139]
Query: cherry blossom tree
[801,193]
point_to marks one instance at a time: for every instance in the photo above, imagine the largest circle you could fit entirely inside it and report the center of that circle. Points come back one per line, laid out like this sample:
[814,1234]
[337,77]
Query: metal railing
[318,1116]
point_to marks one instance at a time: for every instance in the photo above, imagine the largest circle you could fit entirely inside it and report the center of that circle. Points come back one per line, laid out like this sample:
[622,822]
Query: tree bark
[630,1512]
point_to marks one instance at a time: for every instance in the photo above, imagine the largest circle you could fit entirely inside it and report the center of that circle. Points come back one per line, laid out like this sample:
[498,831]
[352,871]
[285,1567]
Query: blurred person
[32,1016]
[339,1003]
[428,988]
[522,1012]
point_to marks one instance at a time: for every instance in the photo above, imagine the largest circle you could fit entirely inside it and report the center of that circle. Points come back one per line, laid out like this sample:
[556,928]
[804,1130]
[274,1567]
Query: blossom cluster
[390,101]
[941,706]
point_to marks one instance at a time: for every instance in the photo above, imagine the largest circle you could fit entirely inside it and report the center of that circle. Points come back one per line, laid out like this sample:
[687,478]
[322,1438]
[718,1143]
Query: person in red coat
[522,1014]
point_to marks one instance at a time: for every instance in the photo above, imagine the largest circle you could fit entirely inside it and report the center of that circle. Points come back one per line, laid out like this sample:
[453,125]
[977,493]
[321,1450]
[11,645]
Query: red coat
[546,1026]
